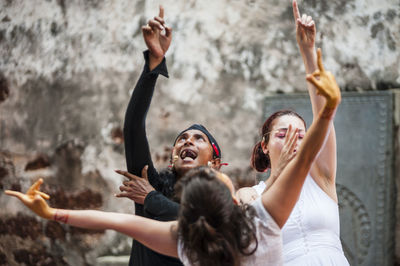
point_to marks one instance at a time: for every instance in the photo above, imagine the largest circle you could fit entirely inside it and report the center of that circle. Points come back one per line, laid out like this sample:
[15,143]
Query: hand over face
[289,148]
[135,188]
[35,200]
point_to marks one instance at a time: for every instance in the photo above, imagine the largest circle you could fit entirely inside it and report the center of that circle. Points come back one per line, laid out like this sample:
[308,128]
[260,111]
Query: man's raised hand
[157,37]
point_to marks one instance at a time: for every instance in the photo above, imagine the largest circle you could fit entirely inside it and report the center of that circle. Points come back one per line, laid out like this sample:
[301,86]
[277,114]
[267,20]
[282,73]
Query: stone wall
[67,69]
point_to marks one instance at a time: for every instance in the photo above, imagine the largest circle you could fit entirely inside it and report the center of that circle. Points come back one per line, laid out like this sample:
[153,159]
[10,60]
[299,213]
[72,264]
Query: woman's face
[278,133]
[192,149]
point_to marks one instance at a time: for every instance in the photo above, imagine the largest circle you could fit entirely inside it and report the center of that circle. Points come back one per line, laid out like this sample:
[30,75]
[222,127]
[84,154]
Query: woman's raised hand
[35,200]
[326,85]
[305,28]
[157,35]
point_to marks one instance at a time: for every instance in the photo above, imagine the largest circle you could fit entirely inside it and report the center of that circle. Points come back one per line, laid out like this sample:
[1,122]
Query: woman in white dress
[311,236]
[212,228]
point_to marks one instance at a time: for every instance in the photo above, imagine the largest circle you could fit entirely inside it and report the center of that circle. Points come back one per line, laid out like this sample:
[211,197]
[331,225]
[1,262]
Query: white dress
[268,233]
[311,235]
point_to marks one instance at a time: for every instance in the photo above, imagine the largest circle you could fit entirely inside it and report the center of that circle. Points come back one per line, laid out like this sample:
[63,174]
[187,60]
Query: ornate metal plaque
[365,182]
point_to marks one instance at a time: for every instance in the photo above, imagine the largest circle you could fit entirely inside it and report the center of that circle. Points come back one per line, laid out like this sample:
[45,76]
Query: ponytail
[212,230]
[259,160]
[212,246]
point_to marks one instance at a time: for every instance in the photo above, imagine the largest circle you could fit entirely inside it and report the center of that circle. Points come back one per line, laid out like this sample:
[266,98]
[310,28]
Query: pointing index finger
[126,174]
[35,186]
[296,12]
[161,13]
[319,56]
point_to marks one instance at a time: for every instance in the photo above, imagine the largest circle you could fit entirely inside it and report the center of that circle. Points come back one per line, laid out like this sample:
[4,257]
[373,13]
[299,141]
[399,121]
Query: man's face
[192,149]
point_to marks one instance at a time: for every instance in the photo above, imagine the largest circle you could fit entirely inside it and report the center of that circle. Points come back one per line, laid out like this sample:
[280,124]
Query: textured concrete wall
[67,69]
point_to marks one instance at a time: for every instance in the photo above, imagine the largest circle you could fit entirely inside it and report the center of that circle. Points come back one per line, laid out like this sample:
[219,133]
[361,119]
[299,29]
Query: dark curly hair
[213,230]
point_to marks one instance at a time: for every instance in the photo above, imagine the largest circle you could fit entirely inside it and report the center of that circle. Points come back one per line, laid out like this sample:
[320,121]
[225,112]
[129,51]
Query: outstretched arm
[280,199]
[154,234]
[324,169]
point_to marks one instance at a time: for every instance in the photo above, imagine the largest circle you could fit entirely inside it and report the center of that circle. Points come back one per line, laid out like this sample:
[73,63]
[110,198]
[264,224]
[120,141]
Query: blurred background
[68,68]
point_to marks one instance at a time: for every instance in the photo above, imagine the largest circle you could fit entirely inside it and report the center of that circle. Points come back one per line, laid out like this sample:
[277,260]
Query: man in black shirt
[193,147]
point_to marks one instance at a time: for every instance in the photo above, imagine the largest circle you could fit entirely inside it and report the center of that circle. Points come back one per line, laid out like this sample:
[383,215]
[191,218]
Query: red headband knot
[215,149]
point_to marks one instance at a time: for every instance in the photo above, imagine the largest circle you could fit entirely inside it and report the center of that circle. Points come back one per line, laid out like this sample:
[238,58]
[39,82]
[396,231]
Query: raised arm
[154,234]
[280,199]
[324,169]
[136,145]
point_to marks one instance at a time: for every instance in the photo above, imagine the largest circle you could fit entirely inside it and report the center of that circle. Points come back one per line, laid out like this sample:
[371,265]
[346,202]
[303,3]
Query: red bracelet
[61,216]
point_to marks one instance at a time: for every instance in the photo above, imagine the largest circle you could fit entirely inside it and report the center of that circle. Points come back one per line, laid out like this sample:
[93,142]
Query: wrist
[328,112]
[308,50]
[60,215]
[48,213]
[154,61]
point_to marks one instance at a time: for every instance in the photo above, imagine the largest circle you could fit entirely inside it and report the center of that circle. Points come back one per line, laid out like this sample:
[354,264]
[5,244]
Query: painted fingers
[35,200]
[326,85]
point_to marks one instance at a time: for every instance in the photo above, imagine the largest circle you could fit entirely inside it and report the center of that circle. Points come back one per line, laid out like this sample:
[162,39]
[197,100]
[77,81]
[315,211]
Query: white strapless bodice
[311,235]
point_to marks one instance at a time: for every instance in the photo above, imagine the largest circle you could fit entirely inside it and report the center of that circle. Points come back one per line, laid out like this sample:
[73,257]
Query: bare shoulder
[246,195]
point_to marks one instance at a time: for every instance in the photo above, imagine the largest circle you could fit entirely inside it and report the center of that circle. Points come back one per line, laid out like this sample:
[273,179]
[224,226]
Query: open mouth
[188,155]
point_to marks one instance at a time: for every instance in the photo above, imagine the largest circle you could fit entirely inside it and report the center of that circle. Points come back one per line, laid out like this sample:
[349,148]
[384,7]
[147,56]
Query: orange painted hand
[326,85]
[35,200]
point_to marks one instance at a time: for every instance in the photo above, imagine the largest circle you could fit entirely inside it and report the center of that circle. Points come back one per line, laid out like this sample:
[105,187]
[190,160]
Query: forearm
[154,234]
[272,178]
[316,135]
[92,219]
[308,55]
[136,145]
[161,207]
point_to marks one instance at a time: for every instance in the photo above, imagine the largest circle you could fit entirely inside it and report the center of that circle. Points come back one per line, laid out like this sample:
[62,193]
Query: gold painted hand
[35,200]
[326,84]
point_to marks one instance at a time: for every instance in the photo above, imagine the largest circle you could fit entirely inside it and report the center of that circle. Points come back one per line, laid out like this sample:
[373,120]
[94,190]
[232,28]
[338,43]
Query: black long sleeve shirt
[156,205]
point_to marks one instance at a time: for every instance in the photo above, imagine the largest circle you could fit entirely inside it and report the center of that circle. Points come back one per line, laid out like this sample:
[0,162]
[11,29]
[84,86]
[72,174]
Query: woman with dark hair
[311,236]
[212,228]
